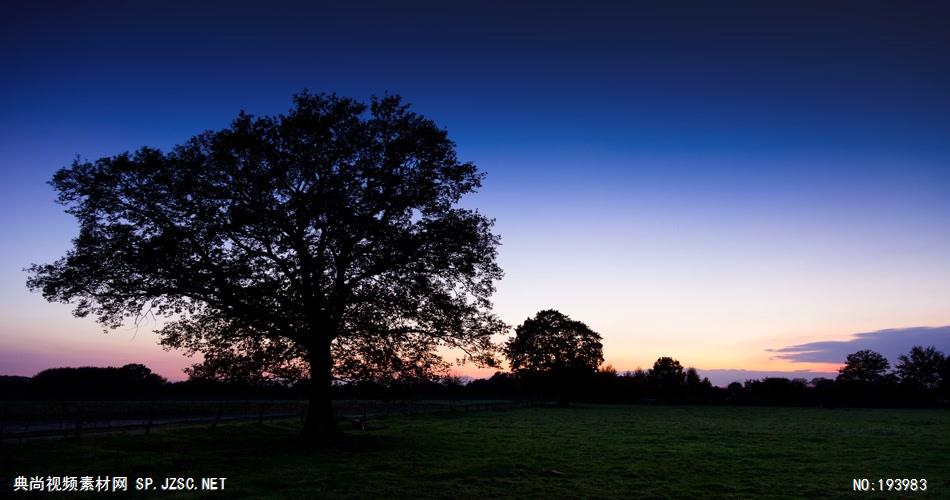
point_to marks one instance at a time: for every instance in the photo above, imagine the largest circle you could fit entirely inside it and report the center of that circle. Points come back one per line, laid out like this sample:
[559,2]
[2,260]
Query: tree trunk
[320,424]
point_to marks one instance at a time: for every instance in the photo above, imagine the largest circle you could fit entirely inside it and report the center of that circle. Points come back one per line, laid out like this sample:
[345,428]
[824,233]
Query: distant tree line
[920,378]
[129,382]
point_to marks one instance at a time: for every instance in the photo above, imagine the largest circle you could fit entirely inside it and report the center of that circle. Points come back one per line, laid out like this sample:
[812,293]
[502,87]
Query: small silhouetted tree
[635,385]
[819,381]
[692,377]
[553,344]
[864,366]
[667,373]
[697,388]
[944,385]
[640,375]
[920,368]
[326,242]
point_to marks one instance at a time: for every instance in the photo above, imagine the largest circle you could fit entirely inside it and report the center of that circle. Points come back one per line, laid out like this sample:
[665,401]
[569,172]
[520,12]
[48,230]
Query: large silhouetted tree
[323,242]
[552,343]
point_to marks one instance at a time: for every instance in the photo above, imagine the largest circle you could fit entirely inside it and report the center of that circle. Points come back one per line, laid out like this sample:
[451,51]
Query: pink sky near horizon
[715,285]
[122,347]
[26,350]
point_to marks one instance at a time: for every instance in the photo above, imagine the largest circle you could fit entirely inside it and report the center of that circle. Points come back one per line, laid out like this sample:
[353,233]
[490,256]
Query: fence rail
[23,420]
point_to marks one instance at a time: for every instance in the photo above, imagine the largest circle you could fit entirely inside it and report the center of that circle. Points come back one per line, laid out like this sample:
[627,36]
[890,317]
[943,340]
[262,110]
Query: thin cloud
[891,343]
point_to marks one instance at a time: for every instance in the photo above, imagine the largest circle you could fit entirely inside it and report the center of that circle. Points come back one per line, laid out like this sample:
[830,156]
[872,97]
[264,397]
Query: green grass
[582,452]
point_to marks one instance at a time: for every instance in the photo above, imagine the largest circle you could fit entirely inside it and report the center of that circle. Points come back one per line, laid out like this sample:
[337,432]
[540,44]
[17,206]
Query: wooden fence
[22,420]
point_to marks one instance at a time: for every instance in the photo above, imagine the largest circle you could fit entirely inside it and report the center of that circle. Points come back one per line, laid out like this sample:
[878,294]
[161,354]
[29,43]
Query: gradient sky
[714,181]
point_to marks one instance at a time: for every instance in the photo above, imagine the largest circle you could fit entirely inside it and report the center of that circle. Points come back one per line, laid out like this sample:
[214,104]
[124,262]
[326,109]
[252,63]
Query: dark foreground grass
[587,451]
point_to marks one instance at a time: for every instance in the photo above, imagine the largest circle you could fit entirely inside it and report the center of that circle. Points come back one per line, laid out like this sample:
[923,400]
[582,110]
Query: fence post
[151,416]
[62,420]
[217,417]
[26,428]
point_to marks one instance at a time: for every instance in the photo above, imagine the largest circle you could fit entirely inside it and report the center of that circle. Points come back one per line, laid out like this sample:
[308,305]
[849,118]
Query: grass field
[587,451]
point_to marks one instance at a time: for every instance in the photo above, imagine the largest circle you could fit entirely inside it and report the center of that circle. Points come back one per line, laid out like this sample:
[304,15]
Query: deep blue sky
[765,172]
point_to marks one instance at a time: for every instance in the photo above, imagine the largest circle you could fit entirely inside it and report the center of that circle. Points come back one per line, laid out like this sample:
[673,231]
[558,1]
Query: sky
[722,182]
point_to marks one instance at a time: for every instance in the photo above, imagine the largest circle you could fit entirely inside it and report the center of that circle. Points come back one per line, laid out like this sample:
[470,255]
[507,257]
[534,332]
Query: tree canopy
[668,372]
[325,242]
[865,366]
[920,367]
[551,341]
[131,381]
